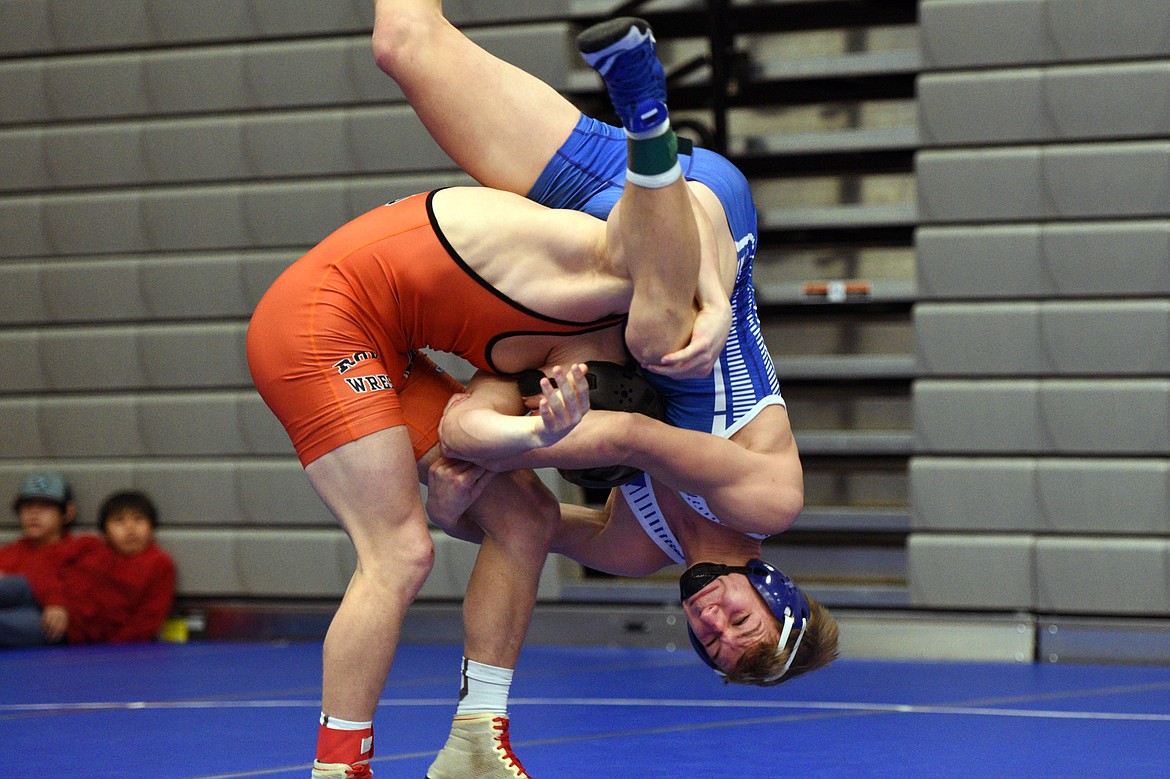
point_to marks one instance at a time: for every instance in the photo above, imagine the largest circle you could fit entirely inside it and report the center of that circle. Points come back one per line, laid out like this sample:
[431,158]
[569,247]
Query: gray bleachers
[1116,496]
[198,423]
[19,421]
[1068,338]
[1073,495]
[222,493]
[812,218]
[968,417]
[1068,416]
[125,357]
[979,338]
[164,161]
[983,33]
[946,490]
[302,564]
[1124,180]
[56,25]
[984,571]
[1127,338]
[131,289]
[1086,575]
[1109,416]
[1066,575]
[197,218]
[247,77]
[215,571]
[1042,412]
[1067,103]
[1054,259]
[850,140]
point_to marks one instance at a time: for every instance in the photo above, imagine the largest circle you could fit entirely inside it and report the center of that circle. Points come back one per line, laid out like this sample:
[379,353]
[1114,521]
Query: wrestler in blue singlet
[587,174]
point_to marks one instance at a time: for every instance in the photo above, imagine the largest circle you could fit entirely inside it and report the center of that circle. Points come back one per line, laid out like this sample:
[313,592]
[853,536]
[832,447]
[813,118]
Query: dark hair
[127,500]
[817,649]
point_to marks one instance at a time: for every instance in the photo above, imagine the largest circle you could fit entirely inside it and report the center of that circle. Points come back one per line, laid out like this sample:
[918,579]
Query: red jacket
[117,599]
[48,567]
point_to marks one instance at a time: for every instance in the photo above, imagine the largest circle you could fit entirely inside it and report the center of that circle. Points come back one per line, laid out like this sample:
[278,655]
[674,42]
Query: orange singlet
[333,343]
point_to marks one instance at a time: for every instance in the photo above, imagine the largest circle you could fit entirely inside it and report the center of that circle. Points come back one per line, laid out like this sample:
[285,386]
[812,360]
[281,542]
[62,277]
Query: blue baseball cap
[43,485]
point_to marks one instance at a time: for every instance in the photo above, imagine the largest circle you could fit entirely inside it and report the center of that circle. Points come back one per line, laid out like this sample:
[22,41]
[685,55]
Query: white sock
[343,724]
[657,181]
[484,689]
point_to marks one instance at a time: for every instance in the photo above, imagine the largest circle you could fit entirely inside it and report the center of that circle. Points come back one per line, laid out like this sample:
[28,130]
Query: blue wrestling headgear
[780,593]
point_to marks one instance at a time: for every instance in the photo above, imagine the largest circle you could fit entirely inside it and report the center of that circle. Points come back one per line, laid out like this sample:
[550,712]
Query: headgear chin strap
[612,387]
[785,600]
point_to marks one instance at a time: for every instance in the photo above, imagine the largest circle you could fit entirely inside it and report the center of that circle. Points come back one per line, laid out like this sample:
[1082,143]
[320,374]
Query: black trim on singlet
[596,324]
[487,349]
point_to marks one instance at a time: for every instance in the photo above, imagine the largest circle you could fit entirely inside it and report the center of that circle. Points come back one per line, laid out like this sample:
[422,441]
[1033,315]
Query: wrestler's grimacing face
[727,617]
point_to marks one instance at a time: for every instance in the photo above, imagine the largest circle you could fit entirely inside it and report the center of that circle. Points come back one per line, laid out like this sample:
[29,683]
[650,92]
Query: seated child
[33,593]
[122,590]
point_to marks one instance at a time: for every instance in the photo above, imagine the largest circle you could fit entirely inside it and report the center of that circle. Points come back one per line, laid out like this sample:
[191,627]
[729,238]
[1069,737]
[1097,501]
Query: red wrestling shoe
[341,771]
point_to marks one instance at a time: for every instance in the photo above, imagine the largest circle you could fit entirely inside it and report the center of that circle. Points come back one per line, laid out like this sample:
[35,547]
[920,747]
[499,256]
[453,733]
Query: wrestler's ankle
[653,157]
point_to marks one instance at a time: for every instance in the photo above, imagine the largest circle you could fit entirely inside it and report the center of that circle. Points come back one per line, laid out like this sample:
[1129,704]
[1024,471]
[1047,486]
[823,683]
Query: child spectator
[34,597]
[123,589]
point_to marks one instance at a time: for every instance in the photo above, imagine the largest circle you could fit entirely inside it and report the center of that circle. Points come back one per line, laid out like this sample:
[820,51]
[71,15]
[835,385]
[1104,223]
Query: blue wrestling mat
[218,710]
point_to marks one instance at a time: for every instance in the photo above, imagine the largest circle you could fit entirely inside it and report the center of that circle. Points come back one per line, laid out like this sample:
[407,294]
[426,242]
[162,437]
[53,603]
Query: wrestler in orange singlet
[333,345]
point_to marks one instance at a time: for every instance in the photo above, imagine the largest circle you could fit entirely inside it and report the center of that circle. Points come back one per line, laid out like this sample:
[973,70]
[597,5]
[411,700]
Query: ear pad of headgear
[528,382]
[612,387]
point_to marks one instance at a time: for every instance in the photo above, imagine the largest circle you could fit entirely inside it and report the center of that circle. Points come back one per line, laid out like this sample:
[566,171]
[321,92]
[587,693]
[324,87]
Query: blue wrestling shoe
[623,51]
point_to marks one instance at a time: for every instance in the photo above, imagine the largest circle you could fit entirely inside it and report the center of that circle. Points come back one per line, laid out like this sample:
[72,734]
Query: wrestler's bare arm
[754,483]
[483,424]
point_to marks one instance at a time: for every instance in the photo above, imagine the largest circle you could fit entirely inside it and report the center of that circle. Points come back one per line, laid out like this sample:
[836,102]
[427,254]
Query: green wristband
[652,156]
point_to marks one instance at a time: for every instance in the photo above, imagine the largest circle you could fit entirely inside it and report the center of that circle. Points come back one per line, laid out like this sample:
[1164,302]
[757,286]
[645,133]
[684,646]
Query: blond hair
[760,664]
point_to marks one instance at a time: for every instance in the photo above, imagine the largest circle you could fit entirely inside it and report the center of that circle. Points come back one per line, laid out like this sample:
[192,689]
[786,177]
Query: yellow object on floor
[174,630]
